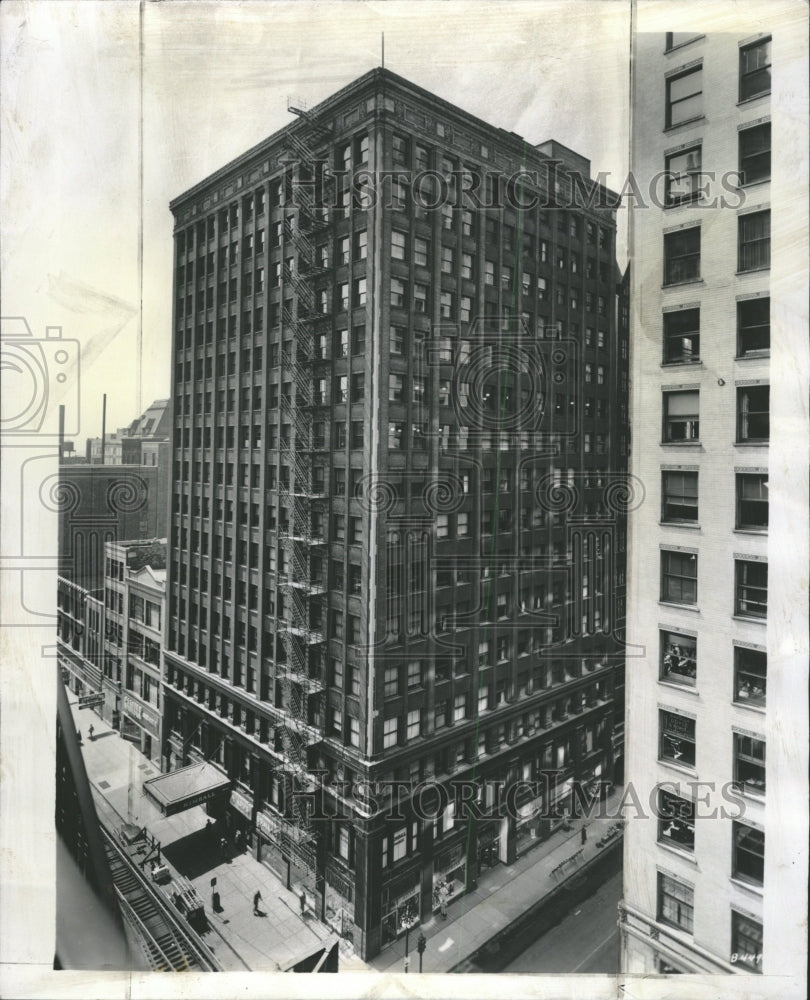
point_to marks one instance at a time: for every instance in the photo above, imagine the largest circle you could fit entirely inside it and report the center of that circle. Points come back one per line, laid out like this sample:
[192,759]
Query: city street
[587,940]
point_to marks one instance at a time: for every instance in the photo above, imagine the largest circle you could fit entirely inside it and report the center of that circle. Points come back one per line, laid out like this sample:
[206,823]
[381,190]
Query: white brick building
[717,575]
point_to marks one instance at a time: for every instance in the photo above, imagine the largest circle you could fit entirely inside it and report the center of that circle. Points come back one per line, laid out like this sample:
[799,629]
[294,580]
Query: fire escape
[302,532]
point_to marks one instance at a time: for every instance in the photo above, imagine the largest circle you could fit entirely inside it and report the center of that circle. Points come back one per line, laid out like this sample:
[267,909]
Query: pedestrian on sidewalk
[223,845]
[91,731]
[209,831]
[256,900]
[443,899]
[302,899]
[584,836]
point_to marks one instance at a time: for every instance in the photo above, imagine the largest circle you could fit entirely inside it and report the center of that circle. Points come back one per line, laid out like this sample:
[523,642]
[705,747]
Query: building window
[390,727]
[681,416]
[399,245]
[678,658]
[395,435]
[460,707]
[398,293]
[391,682]
[748,853]
[749,764]
[675,903]
[676,821]
[420,297]
[753,327]
[682,256]
[753,413]
[746,942]
[414,724]
[754,241]
[420,252]
[442,525]
[679,497]
[682,336]
[682,179]
[755,69]
[755,153]
[415,673]
[752,501]
[750,676]
[396,388]
[751,588]
[678,577]
[400,844]
[684,97]
[396,339]
[677,738]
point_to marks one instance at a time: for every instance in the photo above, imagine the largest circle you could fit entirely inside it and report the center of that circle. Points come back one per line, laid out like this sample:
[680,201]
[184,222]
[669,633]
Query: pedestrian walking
[239,841]
[583,835]
[209,831]
[443,899]
[223,845]
[91,731]
[256,900]
[302,899]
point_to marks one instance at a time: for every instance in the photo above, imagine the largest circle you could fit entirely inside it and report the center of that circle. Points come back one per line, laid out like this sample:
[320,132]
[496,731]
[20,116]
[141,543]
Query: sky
[110,110]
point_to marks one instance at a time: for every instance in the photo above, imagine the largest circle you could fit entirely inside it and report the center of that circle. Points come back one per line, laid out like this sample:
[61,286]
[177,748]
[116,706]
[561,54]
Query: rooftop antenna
[382,38]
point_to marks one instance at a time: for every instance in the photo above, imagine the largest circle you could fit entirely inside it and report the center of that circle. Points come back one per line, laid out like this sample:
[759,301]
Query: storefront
[400,907]
[269,851]
[141,726]
[489,844]
[339,899]
[241,815]
[449,873]
[527,824]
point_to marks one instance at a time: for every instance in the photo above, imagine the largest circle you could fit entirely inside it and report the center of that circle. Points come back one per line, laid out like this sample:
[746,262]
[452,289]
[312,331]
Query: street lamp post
[408,922]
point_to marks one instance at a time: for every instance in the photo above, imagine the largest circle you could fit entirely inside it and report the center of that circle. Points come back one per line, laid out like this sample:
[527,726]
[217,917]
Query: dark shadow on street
[194,855]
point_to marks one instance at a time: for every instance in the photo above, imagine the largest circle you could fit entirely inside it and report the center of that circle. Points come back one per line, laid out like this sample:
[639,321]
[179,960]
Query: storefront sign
[242,804]
[267,825]
[150,722]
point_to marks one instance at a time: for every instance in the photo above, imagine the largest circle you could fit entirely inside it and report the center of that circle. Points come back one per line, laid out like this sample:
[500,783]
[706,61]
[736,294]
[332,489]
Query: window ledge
[759,709]
[686,124]
[682,45]
[752,444]
[678,852]
[680,284]
[754,355]
[683,607]
[680,524]
[675,686]
[681,444]
[763,532]
[675,766]
[753,270]
[750,100]
[697,363]
[754,183]
[751,887]
[750,618]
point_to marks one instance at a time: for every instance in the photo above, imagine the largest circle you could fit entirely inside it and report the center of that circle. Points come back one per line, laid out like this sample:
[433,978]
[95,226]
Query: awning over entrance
[186,787]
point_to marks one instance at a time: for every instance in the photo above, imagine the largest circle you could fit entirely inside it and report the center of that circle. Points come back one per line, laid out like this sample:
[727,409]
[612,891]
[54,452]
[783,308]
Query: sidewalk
[239,939]
[503,895]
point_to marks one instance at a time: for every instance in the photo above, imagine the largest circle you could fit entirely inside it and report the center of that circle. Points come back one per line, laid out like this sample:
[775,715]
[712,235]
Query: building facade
[716,345]
[134,610]
[397,532]
[109,641]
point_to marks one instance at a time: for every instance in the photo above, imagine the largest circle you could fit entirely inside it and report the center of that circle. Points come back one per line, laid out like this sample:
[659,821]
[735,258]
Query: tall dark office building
[397,533]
